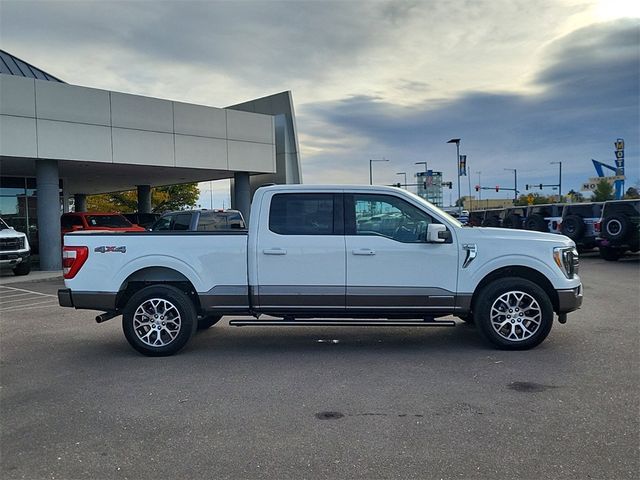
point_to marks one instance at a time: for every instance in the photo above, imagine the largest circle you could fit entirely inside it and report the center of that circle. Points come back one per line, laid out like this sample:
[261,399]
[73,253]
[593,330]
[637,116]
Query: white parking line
[2,297]
[4,302]
[31,308]
[13,308]
[27,291]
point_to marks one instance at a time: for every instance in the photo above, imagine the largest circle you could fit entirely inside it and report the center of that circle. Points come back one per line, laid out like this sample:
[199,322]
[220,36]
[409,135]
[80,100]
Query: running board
[339,323]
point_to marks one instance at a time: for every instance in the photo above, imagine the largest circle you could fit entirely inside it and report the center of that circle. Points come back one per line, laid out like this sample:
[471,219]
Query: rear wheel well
[522,272]
[155,276]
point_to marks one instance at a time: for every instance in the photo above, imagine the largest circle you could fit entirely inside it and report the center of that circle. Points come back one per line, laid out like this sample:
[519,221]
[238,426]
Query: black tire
[512,221]
[208,321]
[536,222]
[535,301]
[491,222]
[573,227]
[23,268]
[615,227]
[610,254]
[179,302]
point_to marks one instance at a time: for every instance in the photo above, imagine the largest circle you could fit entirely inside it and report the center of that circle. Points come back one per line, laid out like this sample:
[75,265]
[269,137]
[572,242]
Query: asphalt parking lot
[78,402]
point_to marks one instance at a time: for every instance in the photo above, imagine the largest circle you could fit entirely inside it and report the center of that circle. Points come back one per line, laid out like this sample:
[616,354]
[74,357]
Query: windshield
[108,221]
[3,226]
[438,210]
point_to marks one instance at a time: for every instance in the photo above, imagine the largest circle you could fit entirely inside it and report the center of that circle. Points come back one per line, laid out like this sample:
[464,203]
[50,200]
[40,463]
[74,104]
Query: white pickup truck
[349,255]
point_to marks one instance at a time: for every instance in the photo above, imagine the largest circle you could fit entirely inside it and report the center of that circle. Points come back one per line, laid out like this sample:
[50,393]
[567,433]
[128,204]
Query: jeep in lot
[579,223]
[544,218]
[14,250]
[513,217]
[378,256]
[618,228]
[492,217]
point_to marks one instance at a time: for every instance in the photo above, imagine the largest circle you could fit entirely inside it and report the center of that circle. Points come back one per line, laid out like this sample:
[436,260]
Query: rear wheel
[512,221]
[514,313]
[610,254]
[159,320]
[208,321]
[572,227]
[536,222]
[615,227]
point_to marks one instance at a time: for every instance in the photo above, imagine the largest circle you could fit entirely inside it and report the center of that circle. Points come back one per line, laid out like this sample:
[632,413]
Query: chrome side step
[340,323]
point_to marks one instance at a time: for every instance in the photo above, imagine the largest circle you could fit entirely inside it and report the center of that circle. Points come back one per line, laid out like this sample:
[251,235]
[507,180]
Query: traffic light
[477,188]
[424,185]
[540,186]
[526,187]
[497,188]
[398,185]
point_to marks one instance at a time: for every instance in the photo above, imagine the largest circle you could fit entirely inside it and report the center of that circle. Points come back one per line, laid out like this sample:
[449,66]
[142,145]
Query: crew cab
[373,255]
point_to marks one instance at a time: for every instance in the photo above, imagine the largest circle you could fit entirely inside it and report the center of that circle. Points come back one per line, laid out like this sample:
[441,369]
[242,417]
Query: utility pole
[405,178]
[515,182]
[457,142]
[479,183]
[559,180]
[371,168]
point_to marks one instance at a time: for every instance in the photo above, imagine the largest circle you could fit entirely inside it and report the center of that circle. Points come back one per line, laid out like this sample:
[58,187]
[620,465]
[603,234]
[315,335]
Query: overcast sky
[523,83]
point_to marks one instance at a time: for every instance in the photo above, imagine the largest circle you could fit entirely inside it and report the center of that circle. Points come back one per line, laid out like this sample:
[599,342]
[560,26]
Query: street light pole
[457,142]
[405,178]
[371,168]
[480,185]
[515,182]
[559,180]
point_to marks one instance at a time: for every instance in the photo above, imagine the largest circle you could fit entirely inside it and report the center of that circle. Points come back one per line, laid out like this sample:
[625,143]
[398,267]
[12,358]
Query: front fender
[474,276]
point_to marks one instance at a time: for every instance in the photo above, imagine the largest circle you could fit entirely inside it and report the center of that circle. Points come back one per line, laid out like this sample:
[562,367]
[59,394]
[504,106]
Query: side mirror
[437,233]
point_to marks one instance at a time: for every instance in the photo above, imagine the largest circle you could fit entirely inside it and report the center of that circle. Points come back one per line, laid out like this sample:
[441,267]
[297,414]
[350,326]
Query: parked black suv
[492,217]
[513,217]
[200,220]
[579,223]
[619,228]
[544,218]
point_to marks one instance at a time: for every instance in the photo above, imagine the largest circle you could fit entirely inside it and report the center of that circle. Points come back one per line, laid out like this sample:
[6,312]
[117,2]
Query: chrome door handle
[274,251]
[363,251]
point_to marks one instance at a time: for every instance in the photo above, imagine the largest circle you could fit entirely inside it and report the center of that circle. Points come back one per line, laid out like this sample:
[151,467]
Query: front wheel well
[518,271]
[155,276]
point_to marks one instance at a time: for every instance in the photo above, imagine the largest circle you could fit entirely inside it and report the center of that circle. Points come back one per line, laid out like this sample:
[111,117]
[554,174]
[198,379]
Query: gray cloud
[588,96]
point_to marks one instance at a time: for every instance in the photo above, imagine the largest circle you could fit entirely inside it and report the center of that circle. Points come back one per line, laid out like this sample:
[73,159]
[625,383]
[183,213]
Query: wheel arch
[526,273]
[148,276]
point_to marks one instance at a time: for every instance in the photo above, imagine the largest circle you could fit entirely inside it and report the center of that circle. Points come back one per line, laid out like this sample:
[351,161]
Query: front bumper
[570,299]
[14,258]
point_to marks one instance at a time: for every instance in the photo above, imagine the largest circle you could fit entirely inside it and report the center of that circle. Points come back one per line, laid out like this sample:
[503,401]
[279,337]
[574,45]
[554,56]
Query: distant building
[430,186]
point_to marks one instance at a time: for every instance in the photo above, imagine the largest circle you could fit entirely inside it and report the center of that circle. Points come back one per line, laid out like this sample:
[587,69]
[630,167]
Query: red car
[71,222]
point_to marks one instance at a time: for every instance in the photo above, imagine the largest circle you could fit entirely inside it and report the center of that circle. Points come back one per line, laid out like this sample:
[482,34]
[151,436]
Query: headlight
[567,259]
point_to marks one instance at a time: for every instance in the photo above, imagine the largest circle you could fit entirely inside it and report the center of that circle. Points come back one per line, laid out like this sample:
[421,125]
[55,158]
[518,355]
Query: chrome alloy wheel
[516,316]
[156,322]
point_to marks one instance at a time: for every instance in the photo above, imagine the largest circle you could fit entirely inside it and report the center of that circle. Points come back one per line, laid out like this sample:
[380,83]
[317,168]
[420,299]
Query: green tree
[173,197]
[603,191]
[632,192]
[575,196]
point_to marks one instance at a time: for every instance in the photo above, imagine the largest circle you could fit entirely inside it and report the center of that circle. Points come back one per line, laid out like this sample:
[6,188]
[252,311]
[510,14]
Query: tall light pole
[457,142]
[515,182]
[425,166]
[480,185]
[559,180]
[371,168]
[405,178]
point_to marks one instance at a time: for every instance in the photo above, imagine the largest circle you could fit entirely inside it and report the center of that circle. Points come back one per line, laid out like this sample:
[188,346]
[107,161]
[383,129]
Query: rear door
[300,253]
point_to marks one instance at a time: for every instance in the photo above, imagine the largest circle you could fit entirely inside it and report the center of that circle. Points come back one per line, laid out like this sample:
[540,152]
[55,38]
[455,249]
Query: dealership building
[60,142]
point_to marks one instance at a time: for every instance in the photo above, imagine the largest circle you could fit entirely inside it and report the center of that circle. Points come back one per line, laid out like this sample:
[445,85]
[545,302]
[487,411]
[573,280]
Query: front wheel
[23,268]
[159,320]
[514,313]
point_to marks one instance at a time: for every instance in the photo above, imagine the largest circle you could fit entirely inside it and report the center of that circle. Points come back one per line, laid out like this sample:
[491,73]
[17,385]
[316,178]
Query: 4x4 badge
[110,249]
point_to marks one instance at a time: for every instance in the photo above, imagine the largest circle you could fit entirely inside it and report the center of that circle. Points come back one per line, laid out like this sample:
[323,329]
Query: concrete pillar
[80,202]
[242,194]
[47,185]
[144,198]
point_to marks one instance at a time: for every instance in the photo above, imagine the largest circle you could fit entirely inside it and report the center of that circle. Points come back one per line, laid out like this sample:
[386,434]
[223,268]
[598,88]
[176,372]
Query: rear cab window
[306,214]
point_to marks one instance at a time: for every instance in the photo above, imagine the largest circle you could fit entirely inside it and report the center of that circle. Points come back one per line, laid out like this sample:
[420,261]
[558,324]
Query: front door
[301,253]
[389,265]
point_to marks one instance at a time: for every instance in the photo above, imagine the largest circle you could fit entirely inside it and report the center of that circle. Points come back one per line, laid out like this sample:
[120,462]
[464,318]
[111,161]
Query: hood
[10,233]
[506,234]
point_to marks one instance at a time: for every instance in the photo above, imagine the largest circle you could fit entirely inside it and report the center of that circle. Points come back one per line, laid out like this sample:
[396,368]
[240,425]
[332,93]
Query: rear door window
[182,221]
[302,214]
